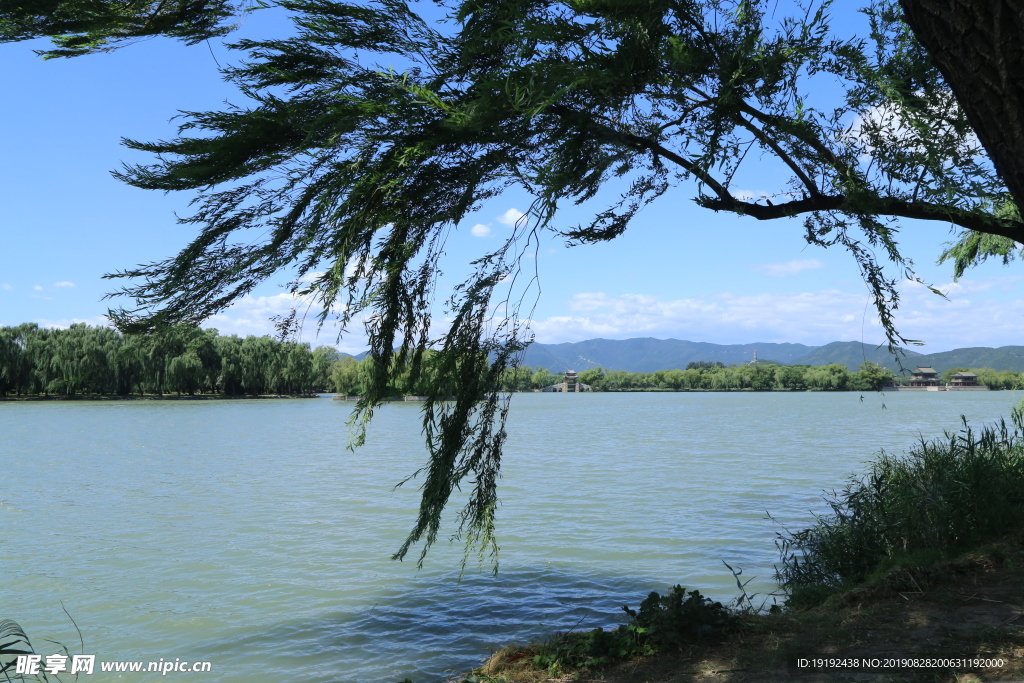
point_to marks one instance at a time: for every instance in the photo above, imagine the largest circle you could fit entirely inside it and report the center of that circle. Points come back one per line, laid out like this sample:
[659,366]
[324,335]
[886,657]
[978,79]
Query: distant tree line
[708,376]
[83,360]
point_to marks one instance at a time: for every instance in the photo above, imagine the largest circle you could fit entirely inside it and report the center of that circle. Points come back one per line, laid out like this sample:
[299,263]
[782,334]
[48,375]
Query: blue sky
[680,271]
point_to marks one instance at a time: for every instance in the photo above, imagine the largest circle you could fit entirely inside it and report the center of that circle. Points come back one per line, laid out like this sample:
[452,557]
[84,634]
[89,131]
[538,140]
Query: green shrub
[678,618]
[944,496]
[590,649]
[662,623]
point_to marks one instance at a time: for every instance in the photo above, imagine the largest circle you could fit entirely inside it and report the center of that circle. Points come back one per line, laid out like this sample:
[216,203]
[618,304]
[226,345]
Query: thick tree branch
[884,206]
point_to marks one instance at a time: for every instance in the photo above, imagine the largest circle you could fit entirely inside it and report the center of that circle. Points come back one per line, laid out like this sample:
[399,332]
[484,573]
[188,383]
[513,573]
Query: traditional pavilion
[572,379]
[570,383]
[924,377]
[964,379]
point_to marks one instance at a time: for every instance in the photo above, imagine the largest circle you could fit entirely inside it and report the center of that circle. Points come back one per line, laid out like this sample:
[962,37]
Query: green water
[245,534]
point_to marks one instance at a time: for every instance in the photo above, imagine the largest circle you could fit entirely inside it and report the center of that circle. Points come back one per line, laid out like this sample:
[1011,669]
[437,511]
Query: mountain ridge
[649,354]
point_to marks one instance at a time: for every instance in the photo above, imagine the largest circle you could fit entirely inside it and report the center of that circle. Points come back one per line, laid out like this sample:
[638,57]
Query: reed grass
[944,496]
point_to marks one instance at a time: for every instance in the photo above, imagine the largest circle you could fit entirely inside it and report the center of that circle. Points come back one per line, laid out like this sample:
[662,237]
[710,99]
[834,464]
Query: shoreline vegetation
[760,376]
[101,363]
[153,397]
[920,557]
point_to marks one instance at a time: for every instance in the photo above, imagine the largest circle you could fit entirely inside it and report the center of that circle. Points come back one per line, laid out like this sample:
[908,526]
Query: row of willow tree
[85,360]
[350,376]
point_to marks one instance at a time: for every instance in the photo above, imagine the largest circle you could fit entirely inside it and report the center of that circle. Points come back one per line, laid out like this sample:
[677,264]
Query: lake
[243,533]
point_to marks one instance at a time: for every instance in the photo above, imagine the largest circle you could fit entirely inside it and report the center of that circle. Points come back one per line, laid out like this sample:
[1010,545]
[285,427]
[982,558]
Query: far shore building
[927,379]
[964,379]
[570,383]
[924,377]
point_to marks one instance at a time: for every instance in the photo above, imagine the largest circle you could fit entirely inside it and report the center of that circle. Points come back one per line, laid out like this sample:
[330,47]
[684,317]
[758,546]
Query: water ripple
[245,534]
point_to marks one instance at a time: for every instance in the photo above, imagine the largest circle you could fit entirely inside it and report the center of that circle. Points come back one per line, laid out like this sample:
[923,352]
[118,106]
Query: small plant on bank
[591,649]
[943,497]
[663,623]
[679,618]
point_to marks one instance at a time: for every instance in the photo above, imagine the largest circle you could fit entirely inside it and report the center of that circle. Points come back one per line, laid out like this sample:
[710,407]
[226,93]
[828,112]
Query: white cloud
[311,276]
[480,230]
[967,318]
[789,268]
[64,283]
[810,317]
[972,314]
[873,121]
[251,315]
[38,288]
[65,323]
[886,125]
[758,195]
[7,287]
[963,288]
[749,195]
[510,217]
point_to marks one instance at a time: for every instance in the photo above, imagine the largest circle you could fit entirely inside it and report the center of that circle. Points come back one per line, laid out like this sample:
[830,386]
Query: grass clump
[943,497]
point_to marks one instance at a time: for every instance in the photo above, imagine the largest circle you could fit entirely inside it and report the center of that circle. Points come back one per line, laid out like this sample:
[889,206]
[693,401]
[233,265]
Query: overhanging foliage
[351,173]
[80,27]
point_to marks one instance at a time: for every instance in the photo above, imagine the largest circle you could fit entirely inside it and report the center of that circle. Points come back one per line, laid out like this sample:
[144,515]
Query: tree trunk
[978,45]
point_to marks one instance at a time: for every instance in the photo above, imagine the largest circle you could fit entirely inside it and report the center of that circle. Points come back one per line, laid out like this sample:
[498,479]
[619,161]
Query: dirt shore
[972,607]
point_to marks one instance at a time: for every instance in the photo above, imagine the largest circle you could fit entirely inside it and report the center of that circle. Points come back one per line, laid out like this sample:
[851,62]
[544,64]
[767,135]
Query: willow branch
[883,206]
[785,125]
[781,153]
[690,166]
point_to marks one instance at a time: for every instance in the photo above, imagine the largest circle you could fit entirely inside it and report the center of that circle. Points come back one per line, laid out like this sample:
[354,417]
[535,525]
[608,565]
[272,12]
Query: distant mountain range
[649,355]
[852,354]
